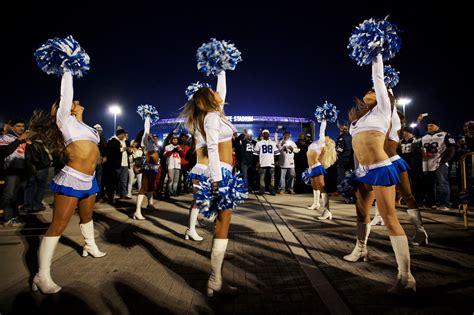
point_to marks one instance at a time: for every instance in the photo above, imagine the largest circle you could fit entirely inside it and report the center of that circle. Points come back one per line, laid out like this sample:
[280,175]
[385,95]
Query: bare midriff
[83,155]
[369,147]
[390,147]
[225,152]
[312,157]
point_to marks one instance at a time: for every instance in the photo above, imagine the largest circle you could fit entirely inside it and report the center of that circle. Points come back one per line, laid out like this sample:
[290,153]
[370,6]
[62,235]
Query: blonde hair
[328,155]
[195,110]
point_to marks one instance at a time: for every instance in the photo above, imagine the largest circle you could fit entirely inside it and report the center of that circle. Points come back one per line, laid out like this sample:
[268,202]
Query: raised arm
[146,143]
[221,85]
[322,134]
[211,127]
[381,93]
[65,103]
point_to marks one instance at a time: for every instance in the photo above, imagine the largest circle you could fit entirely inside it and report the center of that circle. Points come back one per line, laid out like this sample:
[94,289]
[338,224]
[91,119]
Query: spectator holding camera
[173,154]
[286,161]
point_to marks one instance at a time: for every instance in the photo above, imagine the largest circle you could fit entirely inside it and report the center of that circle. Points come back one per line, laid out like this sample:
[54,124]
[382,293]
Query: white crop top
[218,130]
[396,126]
[71,128]
[221,88]
[378,118]
[317,146]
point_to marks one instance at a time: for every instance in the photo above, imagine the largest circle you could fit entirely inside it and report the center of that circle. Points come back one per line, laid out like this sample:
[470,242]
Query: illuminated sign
[244,119]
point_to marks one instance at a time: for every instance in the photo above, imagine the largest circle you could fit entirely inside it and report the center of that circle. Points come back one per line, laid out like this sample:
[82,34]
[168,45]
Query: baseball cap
[98,127]
[119,132]
[265,130]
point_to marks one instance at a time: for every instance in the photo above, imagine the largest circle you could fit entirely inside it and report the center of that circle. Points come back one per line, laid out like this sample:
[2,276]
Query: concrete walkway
[286,262]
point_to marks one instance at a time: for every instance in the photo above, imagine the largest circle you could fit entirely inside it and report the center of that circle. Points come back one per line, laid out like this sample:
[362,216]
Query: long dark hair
[361,108]
[44,124]
[196,109]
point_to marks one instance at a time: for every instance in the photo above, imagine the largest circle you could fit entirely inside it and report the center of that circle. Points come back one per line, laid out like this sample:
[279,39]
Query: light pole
[403,101]
[115,110]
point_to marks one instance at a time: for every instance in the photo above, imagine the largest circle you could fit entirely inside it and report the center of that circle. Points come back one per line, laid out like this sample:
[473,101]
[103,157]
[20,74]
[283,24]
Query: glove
[215,189]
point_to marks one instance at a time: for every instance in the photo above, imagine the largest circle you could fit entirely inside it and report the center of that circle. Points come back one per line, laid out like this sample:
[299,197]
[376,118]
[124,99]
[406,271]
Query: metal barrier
[462,164]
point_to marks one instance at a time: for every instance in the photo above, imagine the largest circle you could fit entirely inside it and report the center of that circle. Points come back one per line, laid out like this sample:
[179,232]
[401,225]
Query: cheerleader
[65,133]
[151,164]
[204,113]
[404,187]
[370,122]
[200,171]
[321,155]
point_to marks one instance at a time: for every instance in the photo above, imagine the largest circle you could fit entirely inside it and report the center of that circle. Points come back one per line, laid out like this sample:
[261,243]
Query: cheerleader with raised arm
[151,164]
[217,195]
[65,134]
[321,155]
[370,122]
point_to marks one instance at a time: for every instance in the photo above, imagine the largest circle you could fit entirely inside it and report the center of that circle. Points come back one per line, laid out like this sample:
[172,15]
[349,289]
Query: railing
[462,165]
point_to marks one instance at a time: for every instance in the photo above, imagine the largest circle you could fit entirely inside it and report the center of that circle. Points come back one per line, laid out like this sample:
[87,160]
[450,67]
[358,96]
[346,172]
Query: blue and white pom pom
[58,55]
[373,37]
[232,190]
[194,87]
[216,56]
[148,110]
[327,112]
[348,186]
[391,76]
[204,198]
[306,178]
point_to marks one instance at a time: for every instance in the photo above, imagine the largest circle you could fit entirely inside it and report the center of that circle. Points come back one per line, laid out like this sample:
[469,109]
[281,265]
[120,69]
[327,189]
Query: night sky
[294,57]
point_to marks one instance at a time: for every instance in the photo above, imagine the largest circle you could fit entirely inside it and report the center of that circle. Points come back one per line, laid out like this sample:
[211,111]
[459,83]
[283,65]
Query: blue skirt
[381,176]
[71,192]
[313,172]
[401,165]
[149,168]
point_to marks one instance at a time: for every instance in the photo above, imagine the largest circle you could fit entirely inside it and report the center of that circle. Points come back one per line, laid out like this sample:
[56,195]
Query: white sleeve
[256,149]
[221,85]
[146,143]
[65,103]
[211,127]
[381,93]
[275,137]
[295,147]
[322,134]
[277,150]
[396,123]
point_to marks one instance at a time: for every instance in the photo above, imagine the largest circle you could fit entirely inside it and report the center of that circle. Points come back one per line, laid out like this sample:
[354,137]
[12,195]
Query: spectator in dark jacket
[14,174]
[37,161]
[100,162]
[116,157]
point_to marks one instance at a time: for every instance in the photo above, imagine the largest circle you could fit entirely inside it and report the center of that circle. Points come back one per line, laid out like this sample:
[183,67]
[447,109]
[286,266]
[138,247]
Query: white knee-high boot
[420,236]
[405,281]
[138,211]
[377,220]
[315,205]
[87,230]
[215,284]
[360,249]
[43,280]
[191,231]
[327,215]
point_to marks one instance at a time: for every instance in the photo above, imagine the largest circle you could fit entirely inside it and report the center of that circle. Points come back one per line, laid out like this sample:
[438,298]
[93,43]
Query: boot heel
[186,236]
[34,287]
[366,257]
[210,292]
[85,253]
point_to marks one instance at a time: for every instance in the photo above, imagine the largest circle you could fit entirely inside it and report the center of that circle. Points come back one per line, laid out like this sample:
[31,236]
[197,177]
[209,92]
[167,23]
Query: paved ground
[286,262]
